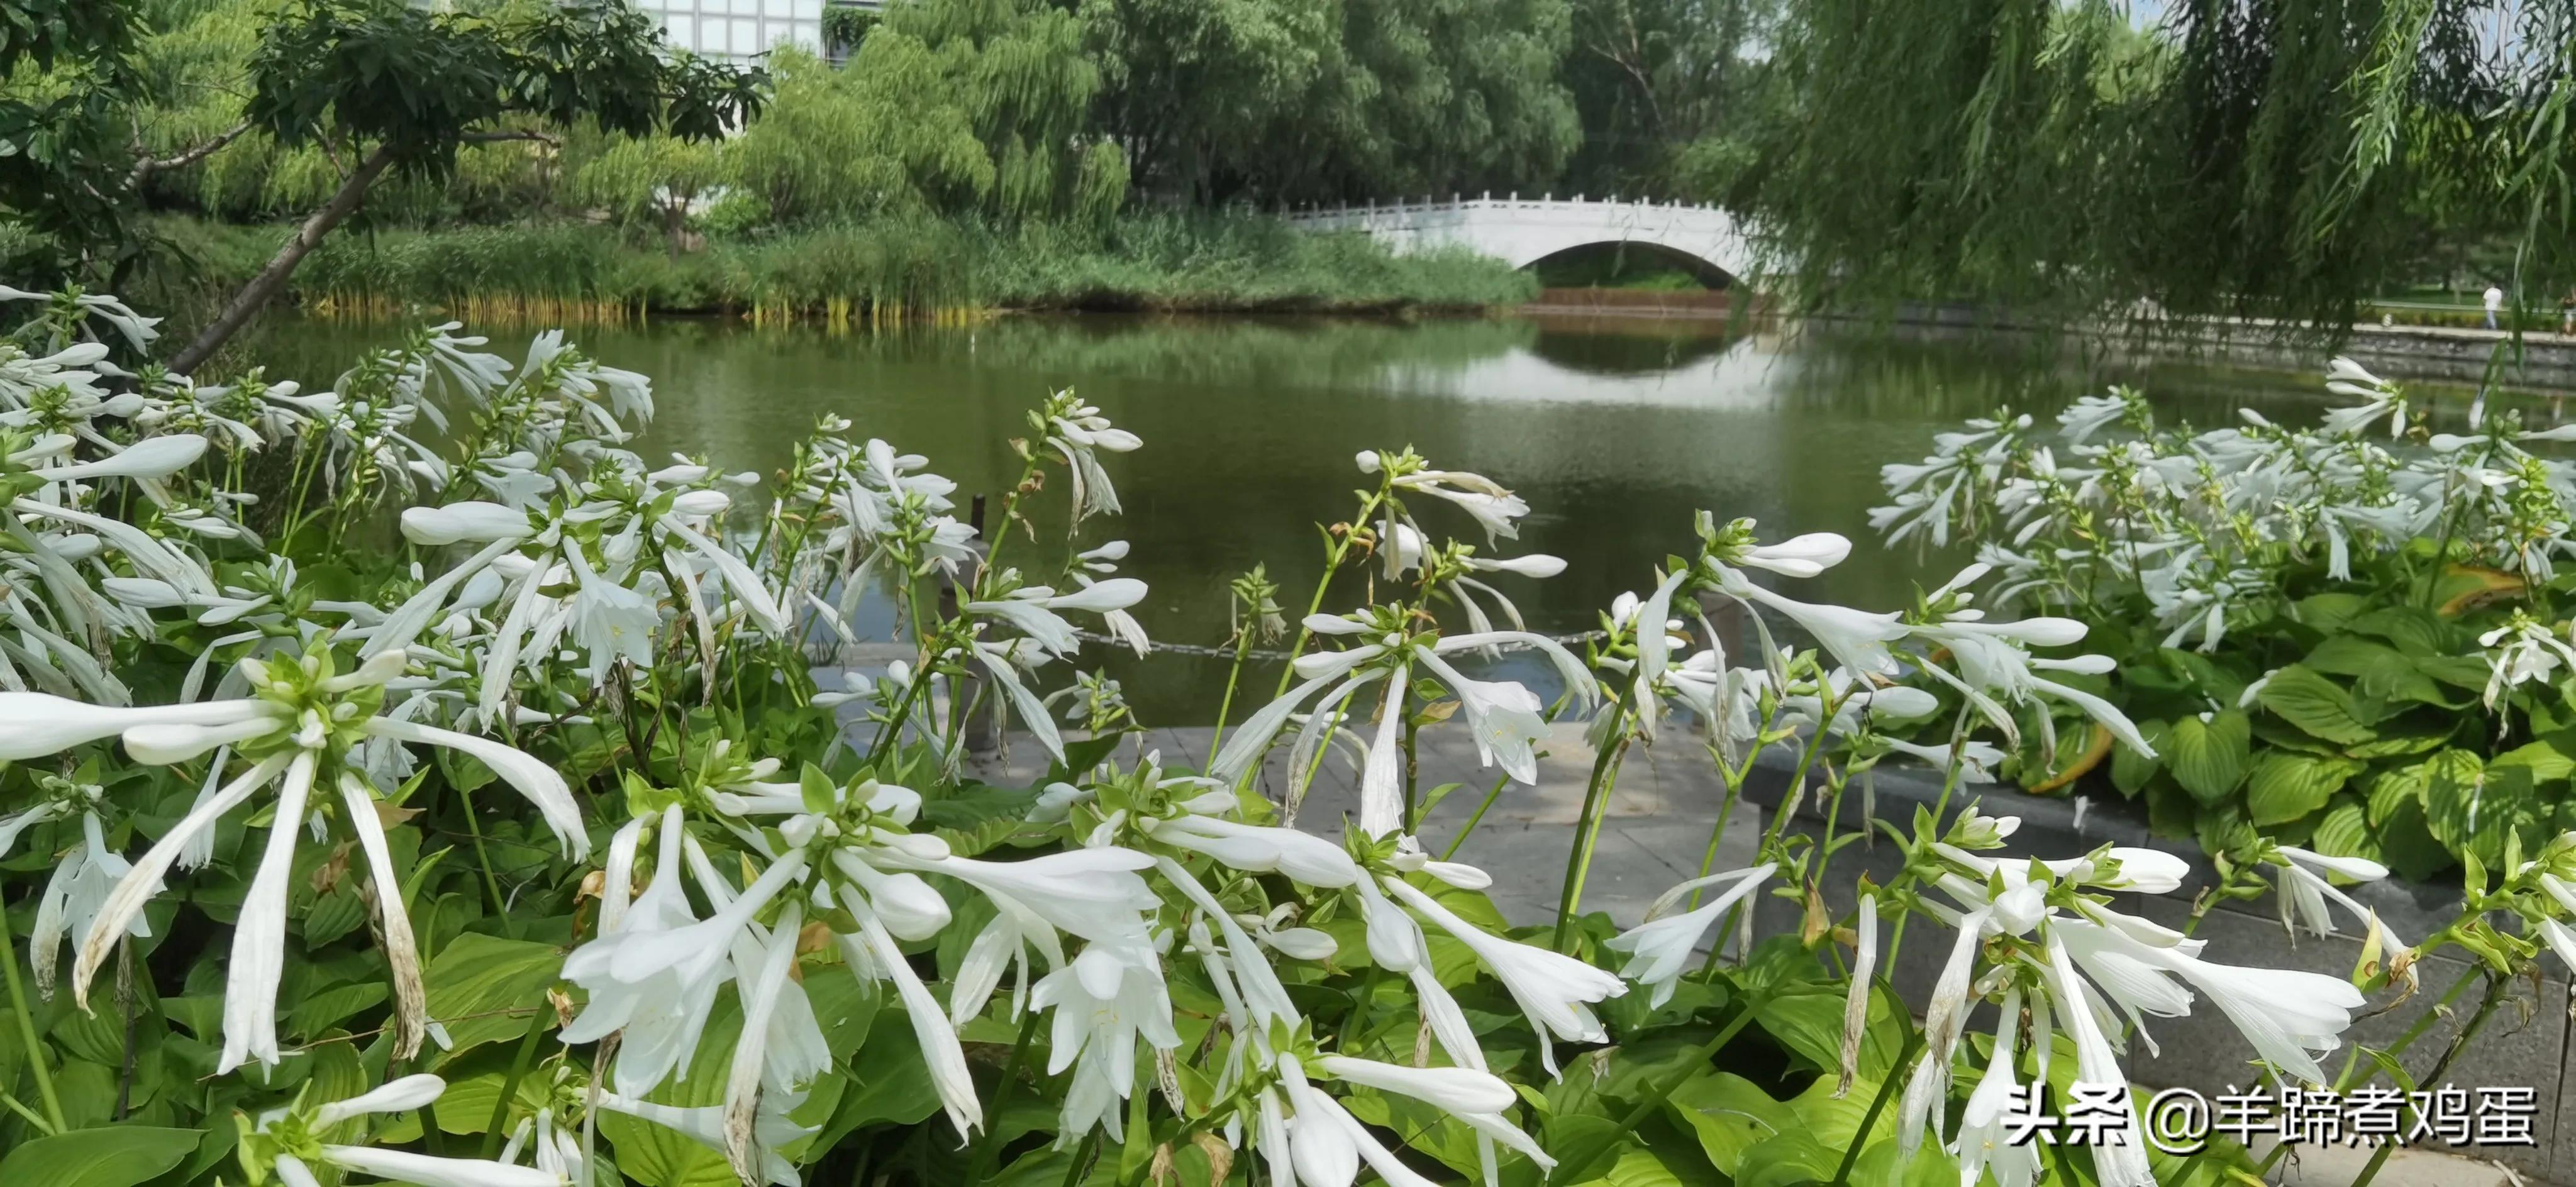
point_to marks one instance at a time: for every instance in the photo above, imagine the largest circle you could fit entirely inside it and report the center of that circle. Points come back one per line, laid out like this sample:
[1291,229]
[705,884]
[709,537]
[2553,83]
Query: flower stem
[1579,1169]
[1470,826]
[1587,832]
[26,1114]
[2460,1042]
[1315,605]
[1082,1156]
[519,1062]
[1877,1105]
[483,857]
[992,1141]
[1225,706]
[27,1026]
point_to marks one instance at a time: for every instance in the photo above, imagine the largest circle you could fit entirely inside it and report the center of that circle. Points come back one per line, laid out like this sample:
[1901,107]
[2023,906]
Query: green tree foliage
[949,105]
[1670,92]
[1284,101]
[65,73]
[386,88]
[2270,157]
[656,178]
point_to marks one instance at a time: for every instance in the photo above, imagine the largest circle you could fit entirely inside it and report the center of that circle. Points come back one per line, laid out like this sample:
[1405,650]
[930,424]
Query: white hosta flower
[289,1143]
[1985,1145]
[1091,893]
[1555,991]
[1032,610]
[1659,949]
[1798,556]
[2305,891]
[1104,1001]
[705,1125]
[655,978]
[2560,940]
[1247,743]
[2520,652]
[1857,640]
[1327,1143]
[1258,849]
[302,713]
[1079,434]
[2121,1160]
[1494,508]
[83,878]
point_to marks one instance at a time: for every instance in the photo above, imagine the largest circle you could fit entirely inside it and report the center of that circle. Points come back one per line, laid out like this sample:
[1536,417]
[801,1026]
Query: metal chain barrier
[1227,652]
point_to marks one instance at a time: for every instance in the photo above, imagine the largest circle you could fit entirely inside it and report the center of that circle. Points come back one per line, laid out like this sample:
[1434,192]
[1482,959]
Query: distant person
[2495,305]
[2567,313]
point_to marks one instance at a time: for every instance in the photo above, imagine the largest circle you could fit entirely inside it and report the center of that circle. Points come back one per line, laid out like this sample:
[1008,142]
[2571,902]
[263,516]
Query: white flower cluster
[573,580]
[2206,523]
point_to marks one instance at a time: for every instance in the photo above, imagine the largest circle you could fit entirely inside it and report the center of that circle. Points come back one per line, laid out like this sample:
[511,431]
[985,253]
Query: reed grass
[916,270]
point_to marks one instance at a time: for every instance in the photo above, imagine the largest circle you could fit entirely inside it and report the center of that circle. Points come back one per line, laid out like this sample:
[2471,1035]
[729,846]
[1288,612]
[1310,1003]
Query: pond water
[1615,430]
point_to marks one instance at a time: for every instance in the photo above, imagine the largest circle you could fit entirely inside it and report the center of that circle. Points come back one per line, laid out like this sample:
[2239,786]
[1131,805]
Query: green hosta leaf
[2405,745]
[2471,807]
[2543,760]
[2285,786]
[980,838]
[2465,672]
[844,1007]
[2311,702]
[2413,631]
[329,1008]
[2131,770]
[2351,655]
[2345,832]
[2395,787]
[465,773]
[2407,844]
[482,988]
[2379,670]
[2203,675]
[890,1081]
[973,806]
[114,1156]
[1730,1114]
[2329,611]
[333,915]
[1636,1167]
[1791,1159]
[2209,758]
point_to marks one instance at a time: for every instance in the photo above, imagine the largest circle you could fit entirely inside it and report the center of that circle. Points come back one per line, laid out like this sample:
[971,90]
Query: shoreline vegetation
[880,271]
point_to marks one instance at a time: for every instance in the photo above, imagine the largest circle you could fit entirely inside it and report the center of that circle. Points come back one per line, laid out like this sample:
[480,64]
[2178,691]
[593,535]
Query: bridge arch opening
[1628,263]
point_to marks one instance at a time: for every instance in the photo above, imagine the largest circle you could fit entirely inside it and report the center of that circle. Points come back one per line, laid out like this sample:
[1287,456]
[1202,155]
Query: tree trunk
[272,278]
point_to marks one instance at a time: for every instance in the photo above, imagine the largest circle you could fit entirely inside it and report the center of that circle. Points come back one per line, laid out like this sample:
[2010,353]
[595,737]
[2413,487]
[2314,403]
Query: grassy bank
[877,270]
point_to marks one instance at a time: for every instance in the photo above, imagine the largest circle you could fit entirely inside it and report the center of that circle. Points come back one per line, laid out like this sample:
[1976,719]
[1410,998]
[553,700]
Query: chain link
[1267,653]
[1205,651]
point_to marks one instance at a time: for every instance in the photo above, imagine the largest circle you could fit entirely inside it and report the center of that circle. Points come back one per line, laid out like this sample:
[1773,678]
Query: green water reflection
[1615,431]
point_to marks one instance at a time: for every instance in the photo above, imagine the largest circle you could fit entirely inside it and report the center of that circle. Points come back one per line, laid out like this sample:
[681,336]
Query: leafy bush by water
[912,266]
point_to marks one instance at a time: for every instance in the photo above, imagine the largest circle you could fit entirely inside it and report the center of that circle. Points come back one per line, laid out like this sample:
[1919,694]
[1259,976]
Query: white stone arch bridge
[1522,231]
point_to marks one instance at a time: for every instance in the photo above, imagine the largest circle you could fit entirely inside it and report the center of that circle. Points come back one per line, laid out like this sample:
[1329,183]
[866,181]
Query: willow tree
[2283,158]
[949,106]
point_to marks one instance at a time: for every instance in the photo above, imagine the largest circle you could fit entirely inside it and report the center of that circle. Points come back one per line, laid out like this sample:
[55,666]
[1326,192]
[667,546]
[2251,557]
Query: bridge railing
[1400,208]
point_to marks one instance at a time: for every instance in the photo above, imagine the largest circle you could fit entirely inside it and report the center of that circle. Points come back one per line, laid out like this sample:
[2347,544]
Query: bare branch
[147,166]
[544,138]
